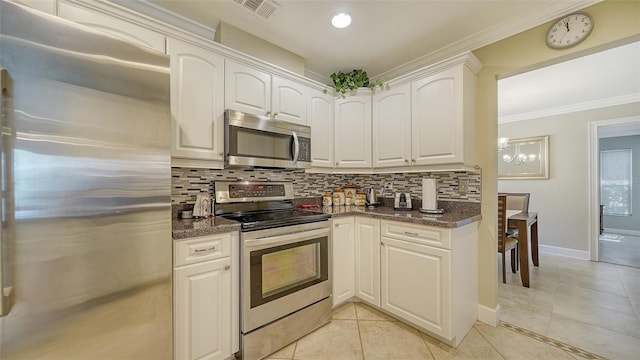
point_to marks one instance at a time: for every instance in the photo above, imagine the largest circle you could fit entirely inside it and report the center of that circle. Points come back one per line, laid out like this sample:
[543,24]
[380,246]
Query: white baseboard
[622,231]
[572,253]
[488,315]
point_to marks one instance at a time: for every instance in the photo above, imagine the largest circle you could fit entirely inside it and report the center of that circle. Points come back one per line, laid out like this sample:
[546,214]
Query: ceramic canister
[338,197]
[361,199]
[327,199]
[350,191]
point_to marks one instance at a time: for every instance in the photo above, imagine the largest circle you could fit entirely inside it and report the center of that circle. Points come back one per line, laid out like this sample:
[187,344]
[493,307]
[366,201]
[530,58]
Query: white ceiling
[384,34]
[606,78]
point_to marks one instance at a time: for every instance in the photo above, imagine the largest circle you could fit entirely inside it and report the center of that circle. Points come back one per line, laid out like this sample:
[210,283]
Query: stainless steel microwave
[260,141]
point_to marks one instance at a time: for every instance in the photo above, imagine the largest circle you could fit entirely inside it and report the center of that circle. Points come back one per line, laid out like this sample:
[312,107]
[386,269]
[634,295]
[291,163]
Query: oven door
[284,270]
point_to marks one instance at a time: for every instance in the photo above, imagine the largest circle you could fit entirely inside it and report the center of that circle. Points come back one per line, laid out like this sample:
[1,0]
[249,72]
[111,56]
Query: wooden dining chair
[516,201]
[506,242]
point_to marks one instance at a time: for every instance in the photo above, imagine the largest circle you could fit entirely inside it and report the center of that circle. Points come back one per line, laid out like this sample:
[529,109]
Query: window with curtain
[615,182]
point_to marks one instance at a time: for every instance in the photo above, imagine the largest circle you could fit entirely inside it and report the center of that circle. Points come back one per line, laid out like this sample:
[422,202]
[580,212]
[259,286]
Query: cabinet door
[113,26]
[437,123]
[197,102]
[247,89]
[321,121]
[367,256]
[289,100]
[392,127]
[343,256]
[353,132]
[416,284]
[202,303]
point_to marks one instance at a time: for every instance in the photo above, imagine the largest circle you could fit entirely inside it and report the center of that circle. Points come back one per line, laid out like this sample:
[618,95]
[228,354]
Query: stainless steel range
[285,278]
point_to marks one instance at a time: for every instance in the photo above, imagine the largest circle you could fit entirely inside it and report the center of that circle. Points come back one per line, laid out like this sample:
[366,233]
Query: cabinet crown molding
[466,58]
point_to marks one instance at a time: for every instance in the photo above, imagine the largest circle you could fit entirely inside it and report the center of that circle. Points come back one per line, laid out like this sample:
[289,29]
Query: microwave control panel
[305,149]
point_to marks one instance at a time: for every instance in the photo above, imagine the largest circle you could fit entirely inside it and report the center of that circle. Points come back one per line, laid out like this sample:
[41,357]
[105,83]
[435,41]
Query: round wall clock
[570,30]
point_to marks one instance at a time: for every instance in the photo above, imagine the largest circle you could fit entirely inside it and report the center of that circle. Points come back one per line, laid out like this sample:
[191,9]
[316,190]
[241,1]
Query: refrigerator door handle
[5,292]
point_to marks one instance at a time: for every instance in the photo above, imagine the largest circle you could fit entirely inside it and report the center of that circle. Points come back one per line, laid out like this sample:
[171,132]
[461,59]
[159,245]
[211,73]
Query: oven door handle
[282,239]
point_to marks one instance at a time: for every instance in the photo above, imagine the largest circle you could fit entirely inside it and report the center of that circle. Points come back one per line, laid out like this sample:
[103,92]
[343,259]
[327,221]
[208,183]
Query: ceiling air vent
[265,9]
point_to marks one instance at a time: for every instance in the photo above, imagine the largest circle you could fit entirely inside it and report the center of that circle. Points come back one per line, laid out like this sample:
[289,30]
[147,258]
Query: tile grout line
[489,342]
[549,341]
[355,308]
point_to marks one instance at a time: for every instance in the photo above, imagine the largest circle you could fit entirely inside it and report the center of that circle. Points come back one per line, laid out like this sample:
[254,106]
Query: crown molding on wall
[166,16]
[489,36]
[583,106]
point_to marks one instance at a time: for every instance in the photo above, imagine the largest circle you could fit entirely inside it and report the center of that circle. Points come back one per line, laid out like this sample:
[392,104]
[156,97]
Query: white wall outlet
[463,187]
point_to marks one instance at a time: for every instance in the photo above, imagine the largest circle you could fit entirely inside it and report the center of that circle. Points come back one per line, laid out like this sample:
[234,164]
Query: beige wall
[616,22]
[562,202]
[242,41]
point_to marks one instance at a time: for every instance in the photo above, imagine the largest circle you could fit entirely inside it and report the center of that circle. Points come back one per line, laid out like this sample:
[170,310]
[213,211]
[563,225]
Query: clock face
[569,31]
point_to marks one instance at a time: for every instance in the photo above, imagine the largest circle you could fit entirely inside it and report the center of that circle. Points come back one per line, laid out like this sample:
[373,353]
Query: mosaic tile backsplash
[187,183]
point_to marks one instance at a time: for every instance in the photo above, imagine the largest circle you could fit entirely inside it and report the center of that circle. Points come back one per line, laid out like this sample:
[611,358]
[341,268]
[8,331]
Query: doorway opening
[612,145]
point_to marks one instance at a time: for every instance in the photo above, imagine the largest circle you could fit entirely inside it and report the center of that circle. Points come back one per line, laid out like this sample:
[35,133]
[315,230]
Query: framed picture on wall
[524,158]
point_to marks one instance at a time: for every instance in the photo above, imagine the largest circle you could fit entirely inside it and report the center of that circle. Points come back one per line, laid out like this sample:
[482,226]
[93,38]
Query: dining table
[525,222]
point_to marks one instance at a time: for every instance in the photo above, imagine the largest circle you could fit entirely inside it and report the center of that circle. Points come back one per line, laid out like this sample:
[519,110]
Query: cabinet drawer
[420,234]
[202,248]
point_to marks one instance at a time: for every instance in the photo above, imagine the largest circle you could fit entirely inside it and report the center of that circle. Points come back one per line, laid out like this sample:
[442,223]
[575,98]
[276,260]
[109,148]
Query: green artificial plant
[343,82]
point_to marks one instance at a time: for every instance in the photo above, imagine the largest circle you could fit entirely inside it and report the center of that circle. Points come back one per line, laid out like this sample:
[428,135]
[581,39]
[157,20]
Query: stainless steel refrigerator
[86,210]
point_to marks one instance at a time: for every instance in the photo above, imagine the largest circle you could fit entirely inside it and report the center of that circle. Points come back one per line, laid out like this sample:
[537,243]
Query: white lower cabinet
[423,275]
[367,260]
[415,279]
[343,259]
[205,297]
[433,287]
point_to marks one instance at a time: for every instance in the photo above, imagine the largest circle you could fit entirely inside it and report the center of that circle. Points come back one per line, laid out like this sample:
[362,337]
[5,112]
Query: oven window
[259,144]
[285,269]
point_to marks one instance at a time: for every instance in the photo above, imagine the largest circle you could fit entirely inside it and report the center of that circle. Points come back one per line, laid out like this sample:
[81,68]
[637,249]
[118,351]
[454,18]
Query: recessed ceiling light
[341,20]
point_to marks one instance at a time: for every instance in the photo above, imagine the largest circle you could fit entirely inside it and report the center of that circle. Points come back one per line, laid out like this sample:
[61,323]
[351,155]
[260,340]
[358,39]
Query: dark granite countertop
[456,214]
[187,228]
[447,220]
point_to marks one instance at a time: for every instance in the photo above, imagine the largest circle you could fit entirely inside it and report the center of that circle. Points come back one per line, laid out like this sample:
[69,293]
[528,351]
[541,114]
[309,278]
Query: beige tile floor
[594,306]
[359,332]
[619,249]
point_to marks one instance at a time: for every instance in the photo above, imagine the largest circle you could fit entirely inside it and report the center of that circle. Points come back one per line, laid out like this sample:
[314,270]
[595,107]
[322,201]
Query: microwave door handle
[296,147]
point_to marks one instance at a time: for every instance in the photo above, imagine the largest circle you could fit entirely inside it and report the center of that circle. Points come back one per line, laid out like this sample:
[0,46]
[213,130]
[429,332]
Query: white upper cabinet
[289,100]
[321,121]
[113,26]
[247,89]
[353,131]
[197,104]
[48,6]
[392,127]
[256,92]
[442,120]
